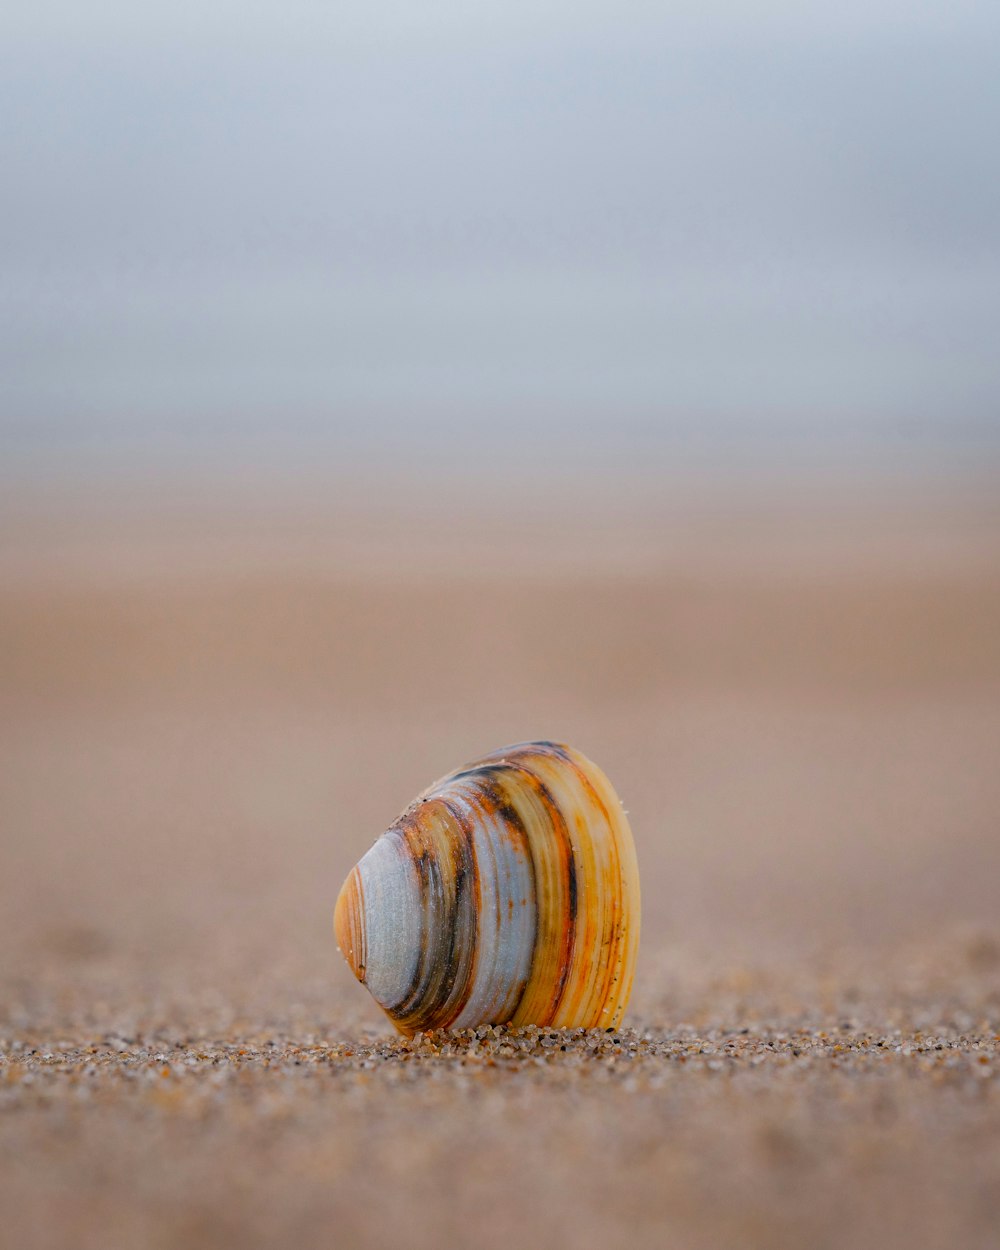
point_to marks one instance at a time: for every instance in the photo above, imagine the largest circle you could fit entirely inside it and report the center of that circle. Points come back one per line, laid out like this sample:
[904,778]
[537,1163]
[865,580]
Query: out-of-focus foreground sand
[210,712]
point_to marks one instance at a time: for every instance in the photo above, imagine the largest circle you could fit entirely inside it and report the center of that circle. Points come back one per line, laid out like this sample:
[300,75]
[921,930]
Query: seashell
[507,893]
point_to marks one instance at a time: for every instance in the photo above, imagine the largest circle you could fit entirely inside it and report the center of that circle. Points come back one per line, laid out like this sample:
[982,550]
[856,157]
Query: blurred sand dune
[802,709]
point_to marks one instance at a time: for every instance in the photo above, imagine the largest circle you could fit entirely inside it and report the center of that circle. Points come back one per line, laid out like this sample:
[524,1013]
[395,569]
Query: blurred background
[382,384]
[379,386]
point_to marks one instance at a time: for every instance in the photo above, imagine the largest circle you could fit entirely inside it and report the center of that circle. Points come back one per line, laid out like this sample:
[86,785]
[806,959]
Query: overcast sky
[341,222]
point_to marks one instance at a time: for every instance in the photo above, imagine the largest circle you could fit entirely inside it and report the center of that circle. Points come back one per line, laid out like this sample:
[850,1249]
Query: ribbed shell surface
[506,893]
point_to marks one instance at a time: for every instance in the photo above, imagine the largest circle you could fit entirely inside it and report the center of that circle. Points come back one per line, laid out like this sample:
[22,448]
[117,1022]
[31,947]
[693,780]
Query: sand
[210,712]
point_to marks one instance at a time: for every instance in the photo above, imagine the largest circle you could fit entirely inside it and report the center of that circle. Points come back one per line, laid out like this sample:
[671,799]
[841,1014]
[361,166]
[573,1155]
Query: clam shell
[506,893]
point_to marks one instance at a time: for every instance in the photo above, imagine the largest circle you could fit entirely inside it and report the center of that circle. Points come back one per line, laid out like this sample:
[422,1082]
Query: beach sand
[211,712]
